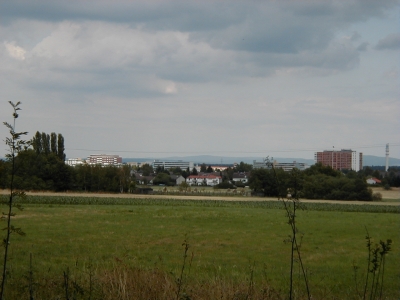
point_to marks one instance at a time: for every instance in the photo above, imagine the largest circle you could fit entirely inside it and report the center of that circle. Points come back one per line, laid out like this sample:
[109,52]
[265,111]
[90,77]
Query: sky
[181,78]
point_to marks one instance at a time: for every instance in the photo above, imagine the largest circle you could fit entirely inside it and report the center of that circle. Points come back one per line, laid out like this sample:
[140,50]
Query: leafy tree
[209,169]
[176,171]
[124,174]
[194,172]
[60,147]
[37,143]
[183,186]
[319,168]
[203,168]
[146,169]
[228,174]
[243,167]
[161,169]
[46,143]
[53,142]
[163,178]
[264,181]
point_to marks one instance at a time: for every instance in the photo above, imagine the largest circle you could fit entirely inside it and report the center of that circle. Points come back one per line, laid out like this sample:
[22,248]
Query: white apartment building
[74,162]
[104,159]
[210,180]
[285,166]
[173,164]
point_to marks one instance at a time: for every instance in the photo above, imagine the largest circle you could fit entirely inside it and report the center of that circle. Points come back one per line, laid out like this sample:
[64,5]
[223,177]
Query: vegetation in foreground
[236,248]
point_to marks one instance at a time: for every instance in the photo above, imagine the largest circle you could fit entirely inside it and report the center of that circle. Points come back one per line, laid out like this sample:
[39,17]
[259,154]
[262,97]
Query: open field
[391,197]
[226,241]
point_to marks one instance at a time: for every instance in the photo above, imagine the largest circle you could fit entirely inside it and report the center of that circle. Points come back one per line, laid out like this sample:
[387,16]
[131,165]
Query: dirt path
[194,197]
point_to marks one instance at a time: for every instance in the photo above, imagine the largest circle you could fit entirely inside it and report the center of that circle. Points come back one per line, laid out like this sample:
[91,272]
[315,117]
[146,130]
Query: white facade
[104,159]
[210,180]
[285,166]
[74,162]
[173,164]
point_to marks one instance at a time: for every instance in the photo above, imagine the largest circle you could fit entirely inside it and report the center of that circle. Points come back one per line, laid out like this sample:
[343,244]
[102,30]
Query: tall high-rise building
[345,159]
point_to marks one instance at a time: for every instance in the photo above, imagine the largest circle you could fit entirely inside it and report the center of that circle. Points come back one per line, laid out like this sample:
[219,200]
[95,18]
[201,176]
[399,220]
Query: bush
[376,197]
[387,187]
[225,185]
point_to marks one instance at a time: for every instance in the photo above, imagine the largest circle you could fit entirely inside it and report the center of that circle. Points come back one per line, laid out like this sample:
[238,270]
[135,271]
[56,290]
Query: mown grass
[226,238]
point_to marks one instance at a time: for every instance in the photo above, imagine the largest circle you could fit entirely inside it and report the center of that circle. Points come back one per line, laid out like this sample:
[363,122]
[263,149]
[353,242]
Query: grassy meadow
[228,242]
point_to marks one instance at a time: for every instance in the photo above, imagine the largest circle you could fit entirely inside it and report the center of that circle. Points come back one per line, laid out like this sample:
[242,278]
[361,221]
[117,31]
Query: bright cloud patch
[15,51]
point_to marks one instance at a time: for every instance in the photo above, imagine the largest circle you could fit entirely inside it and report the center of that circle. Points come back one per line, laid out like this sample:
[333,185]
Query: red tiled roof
[204,177]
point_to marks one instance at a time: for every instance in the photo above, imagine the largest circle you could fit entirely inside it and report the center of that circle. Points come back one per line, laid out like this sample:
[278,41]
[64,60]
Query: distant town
[211,174]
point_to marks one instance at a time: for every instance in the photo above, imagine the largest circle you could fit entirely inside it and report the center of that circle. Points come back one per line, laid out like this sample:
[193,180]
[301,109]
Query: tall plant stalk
[15,145]
[291,204]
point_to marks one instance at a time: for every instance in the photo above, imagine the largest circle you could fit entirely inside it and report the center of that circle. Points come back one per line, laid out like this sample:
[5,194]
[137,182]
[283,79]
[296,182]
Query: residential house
[373,180]
[205,179]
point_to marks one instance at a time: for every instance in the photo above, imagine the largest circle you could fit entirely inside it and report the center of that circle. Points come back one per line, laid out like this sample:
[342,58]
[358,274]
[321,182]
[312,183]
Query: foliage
[317,182]
[146,169]
[15,145]
[376,197]
[164,179]
[203,168]
[224,185]
[375,268]
[243,167]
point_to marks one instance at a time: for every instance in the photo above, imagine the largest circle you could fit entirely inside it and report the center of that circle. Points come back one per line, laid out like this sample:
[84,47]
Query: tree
[53,142]
[60,147]
[209,169]
[243,167]
[146,169]
[124,178]
[203,168]
[194,172]
[46,143]
[15,145]
[163,178]
[37,143]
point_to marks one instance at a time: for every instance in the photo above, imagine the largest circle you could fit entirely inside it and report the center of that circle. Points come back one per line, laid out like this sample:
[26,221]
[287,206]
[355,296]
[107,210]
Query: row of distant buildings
[345,159]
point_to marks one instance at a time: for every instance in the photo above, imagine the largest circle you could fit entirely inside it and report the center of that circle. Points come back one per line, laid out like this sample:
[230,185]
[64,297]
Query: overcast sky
[228,78]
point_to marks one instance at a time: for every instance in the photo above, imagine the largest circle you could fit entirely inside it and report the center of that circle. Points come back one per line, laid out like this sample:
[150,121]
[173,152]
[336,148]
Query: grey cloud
[160,15]
[363,46]
[390,42]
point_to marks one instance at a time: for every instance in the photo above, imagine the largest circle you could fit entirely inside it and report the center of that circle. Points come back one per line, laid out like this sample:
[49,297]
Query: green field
[227,240]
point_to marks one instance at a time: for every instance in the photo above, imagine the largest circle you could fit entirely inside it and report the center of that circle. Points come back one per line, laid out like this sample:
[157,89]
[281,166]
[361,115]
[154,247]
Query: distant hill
[369,160]
[210,159]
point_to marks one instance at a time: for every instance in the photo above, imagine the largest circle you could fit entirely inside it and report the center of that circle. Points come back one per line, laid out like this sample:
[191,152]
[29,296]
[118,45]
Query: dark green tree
[243,167]
[146,169]
[60,147]
[53,142]
[209,169]
[37,143]
[203,168]
[45,143]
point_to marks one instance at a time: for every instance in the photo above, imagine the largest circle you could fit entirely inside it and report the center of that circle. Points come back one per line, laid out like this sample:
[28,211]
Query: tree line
[316,182]
[42,167]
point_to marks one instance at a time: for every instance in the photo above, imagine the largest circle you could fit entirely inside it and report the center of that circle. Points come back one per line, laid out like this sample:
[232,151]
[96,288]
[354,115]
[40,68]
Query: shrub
[225,185]
[376,197]
[387,187]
